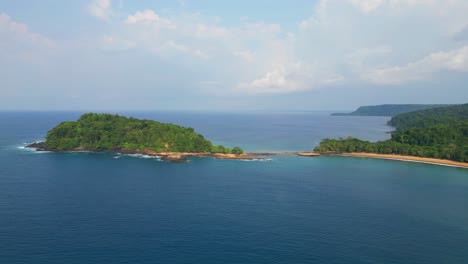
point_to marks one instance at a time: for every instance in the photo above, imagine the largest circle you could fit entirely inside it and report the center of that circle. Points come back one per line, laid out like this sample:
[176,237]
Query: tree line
[434,133]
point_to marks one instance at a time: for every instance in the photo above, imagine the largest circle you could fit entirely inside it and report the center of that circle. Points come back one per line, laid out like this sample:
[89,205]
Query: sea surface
[107,208]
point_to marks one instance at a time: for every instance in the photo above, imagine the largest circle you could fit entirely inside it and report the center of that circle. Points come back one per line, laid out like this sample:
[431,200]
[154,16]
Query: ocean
[108,208]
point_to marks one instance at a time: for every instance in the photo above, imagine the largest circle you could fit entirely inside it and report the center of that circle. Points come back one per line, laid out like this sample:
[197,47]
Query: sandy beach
[407,158]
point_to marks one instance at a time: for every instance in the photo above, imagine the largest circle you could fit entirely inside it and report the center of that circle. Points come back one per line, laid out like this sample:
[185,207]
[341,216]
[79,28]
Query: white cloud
[18,44]
[21,52]
[462,34]
[163,36]
[367,6]
[164,53]
[171,45]
[7,23]
[116,43]
[149,17]
[450,14]
[101,9]
[335,43]
[21,32]
[258,45]
[247,55]
[290,78]
[360,60]
[202,30]
[364,45]
[454,60]
[354,40]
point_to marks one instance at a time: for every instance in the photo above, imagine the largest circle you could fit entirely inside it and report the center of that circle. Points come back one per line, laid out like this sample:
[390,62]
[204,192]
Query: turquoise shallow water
[95,208]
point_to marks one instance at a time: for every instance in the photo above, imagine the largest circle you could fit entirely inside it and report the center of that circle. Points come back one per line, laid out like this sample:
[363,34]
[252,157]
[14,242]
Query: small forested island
[114,133]
[440,133]
[388,109]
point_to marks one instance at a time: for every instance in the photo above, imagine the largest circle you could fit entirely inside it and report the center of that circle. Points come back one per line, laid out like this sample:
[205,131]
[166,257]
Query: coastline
[181,156]
[165,155]
[441,162]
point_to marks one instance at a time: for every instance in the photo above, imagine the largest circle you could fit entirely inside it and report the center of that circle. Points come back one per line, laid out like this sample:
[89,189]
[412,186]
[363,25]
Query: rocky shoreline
[182,156]
[39,146]
[165,156]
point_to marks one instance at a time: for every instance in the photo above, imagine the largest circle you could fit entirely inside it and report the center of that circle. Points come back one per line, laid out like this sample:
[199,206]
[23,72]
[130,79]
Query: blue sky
[231,55]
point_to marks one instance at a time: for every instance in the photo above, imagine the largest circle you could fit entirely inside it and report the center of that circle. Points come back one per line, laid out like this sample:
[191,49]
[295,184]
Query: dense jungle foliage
[113,132]
[434,133]
[447,115]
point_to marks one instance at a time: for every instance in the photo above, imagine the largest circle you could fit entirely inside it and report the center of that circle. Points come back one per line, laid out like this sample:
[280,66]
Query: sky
[241,55]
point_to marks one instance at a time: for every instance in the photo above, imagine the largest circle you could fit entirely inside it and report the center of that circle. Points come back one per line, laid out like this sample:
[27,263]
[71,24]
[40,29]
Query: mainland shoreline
[433,161]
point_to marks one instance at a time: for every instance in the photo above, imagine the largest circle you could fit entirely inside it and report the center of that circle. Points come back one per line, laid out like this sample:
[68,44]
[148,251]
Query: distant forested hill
[387,109]
[447,115]
[434,133]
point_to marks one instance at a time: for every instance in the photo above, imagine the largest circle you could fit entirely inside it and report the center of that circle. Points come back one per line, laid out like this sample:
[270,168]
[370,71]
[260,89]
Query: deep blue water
[94,208]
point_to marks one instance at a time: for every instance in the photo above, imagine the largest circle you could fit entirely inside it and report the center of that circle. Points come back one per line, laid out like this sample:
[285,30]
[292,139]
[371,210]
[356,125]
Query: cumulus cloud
[116,43]
[367,5]
[172,45]
[21,50]
[454,60]
[19,44]
[149,17]
[21,32]
[101,9]
[253,57]
[378,43]
[333,44]
[163,36]
[354,42]
[290,78]
[361,60]
[462,34]
[247,55]
[236,54]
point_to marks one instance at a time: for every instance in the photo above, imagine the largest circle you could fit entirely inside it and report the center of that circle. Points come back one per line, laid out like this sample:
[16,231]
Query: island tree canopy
[113,132]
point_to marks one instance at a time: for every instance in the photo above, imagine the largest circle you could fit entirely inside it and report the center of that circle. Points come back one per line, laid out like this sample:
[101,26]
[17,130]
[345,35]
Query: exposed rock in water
[38,146]
[308,154]
[174,158]
[232,156]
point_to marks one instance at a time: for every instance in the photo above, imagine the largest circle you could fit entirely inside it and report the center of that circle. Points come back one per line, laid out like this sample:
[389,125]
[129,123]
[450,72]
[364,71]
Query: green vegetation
[237,151]
[387,109]
[113,132]
[447,115]
[434,133]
